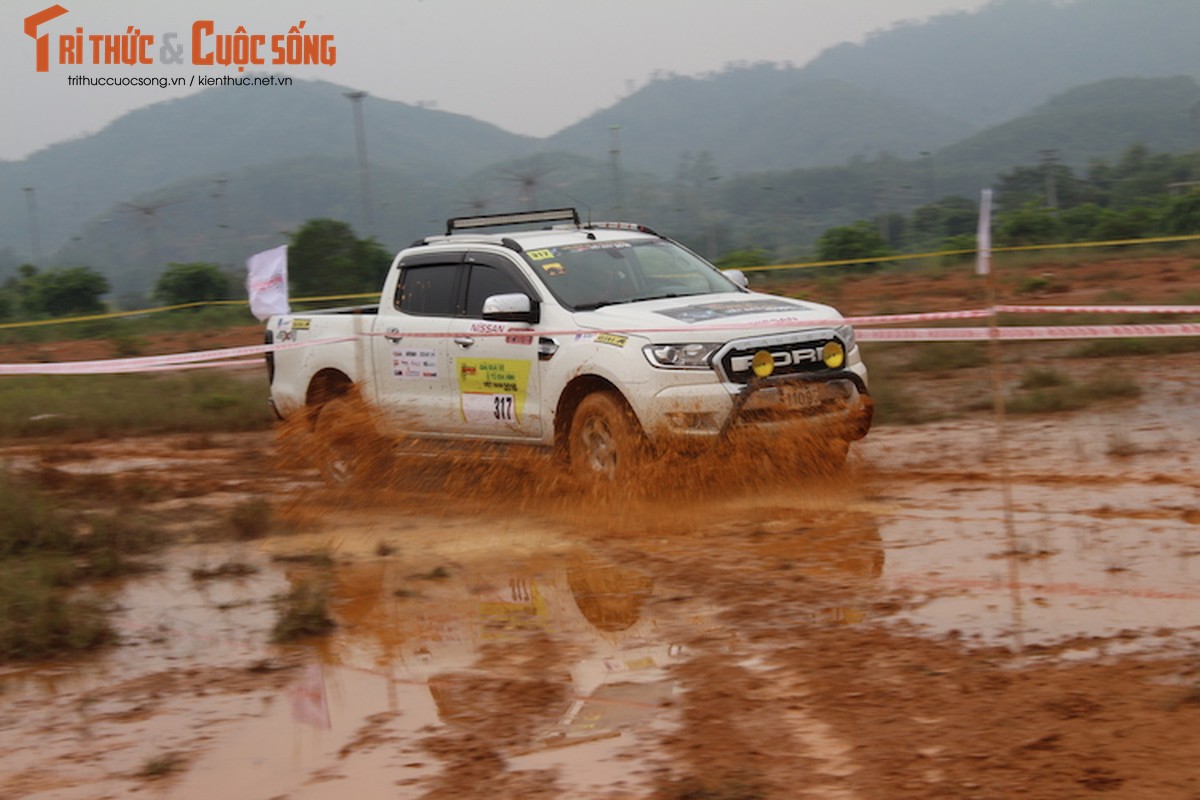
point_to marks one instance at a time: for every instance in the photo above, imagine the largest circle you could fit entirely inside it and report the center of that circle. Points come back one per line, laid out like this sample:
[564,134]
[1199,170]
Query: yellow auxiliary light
[833,354]
[763,364]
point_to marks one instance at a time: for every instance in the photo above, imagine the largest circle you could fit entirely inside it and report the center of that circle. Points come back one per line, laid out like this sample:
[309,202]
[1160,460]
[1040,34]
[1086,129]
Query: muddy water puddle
[543,655]
[513,652]
[1101,563]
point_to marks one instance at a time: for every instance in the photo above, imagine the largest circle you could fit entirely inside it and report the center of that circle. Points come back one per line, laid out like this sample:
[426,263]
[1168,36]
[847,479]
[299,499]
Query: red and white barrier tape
[200,358]
[1098,309]
[229,357]
[1029,333]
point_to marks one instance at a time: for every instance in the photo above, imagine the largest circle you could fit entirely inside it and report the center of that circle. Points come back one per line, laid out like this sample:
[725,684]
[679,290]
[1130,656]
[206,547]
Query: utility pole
[928,155]
[222,219]
[614,159]
[363,179]
[1049,160]
[35,238]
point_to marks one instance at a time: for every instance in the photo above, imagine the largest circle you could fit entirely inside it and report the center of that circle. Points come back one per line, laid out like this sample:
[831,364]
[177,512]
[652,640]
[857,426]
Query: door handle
[393,336]
[464,341]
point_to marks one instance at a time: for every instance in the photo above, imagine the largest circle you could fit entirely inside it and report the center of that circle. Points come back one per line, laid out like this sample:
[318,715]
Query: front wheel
[605,440]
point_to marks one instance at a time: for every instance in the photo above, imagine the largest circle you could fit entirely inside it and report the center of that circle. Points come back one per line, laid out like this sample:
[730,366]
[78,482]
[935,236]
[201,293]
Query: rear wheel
[605,440]
[346,440]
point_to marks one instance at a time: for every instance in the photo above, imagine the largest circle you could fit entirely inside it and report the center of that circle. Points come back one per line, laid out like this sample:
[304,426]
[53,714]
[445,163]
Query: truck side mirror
[738,277]
[515,307]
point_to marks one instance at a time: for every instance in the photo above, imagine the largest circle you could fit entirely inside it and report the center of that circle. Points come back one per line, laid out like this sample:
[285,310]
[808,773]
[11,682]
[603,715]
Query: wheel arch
[578,388]
[327,384]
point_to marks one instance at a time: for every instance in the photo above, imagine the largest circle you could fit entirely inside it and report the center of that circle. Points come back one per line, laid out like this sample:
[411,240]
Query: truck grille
[792,354]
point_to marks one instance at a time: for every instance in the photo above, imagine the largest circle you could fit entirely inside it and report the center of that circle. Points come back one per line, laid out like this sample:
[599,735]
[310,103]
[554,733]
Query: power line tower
[360,140]
[149,212]
[35,236]
[614,159]
[1049,163]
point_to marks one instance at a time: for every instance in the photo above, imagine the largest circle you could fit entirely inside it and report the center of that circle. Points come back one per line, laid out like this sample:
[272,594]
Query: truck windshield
[599,273]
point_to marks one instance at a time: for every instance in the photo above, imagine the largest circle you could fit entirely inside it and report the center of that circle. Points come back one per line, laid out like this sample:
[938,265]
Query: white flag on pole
[266,282]
[983,247]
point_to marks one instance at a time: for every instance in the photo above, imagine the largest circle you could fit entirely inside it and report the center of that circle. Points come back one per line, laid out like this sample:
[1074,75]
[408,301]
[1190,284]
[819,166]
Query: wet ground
[915,627]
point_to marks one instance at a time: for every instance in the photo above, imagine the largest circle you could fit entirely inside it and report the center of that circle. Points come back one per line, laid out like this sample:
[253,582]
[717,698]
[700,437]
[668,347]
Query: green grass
[946,356]
[96,406]
[47,551]
[1113,348]
[1066,395]
[39,618]
[133,327]
[251,519]
[302,612]
[1040,378]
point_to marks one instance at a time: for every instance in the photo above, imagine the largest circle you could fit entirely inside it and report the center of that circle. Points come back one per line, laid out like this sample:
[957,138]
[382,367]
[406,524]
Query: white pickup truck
[593,340]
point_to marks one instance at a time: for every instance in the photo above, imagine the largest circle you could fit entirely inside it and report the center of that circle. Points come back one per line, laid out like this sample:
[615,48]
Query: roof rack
[623,226]
[518,218]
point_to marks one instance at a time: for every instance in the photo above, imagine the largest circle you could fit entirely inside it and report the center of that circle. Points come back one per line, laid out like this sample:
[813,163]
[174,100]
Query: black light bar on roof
[517,218]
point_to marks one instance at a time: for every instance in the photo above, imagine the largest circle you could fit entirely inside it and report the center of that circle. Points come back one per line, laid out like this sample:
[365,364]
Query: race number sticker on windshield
[492,391]
[539,255]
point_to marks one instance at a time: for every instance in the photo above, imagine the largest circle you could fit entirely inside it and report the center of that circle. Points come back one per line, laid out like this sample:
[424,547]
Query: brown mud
[907,627]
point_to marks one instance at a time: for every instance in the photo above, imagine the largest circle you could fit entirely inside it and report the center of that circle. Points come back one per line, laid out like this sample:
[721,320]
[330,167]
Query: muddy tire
[605,441]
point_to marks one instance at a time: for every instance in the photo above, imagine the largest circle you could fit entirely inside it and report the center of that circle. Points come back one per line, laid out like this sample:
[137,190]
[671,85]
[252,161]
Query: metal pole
[360,137]
[999,416]
[35,239]
[1049,160]
[614,155]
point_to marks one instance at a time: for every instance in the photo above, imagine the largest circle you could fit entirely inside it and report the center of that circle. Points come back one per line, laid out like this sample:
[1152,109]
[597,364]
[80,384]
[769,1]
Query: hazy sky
[530,66]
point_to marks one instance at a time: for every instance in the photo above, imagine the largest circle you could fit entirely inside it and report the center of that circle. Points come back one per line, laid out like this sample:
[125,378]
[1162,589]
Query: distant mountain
[1097,121]
[196,220]
[911,114]
[220,132]
[758,118]
[989,66]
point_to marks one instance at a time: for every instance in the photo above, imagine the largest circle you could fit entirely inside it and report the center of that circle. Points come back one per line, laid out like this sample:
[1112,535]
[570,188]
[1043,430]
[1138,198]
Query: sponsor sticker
[613,339]
[412,364]
[706,312]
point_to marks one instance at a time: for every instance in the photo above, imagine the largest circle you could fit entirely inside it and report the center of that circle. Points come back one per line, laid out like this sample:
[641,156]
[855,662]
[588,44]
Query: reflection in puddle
[1086,569]
[500,654]
[486,669]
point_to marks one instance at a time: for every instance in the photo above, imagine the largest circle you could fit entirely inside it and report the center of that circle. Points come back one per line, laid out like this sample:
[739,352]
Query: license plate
[790,397]
[800,395]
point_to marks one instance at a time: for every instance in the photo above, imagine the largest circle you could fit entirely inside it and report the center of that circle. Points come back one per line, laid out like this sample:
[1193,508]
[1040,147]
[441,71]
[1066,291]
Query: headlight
[846,334]
[680,356]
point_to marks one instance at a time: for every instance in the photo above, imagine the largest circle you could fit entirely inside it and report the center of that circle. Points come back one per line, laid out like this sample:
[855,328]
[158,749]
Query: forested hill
[910,89]
[758,117]
[222,131]
[964,96]
[1088,123]
[998,63]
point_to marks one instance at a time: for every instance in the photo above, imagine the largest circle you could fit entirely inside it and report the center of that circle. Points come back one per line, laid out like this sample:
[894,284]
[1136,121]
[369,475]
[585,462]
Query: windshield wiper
[598,304]
[667,296]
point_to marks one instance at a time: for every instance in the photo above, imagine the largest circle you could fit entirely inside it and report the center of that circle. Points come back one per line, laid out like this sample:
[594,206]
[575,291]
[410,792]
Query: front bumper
[839,400]
[836,402]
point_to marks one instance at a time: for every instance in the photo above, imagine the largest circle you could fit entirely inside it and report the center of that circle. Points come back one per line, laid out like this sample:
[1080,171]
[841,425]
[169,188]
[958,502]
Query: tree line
[1142,194]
